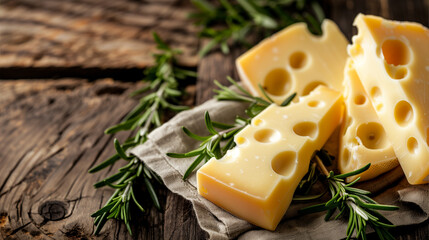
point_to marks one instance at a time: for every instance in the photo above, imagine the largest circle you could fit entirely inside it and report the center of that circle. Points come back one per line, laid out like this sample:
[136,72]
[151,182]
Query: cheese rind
[363,139]
[392,61]
[294,60]
[256,180]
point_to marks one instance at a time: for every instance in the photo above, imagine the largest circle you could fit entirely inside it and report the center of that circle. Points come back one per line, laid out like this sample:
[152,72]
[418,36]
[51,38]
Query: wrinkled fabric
[219,224]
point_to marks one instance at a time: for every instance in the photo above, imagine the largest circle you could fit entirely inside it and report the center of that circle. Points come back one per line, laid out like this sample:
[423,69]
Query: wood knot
[53,210]
[3,219]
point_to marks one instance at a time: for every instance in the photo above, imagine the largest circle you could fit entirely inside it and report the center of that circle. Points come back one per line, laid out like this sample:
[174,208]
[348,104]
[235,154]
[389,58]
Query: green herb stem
[163,82]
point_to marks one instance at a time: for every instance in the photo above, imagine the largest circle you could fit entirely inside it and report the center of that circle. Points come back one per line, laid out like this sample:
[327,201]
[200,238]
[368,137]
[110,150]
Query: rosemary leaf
[288,100]
[265,93]
[318,11]
[126,125]
[120,151]
[152,193]
[111,160]
[356,172]
[135,200]
[110,179]
[191,168]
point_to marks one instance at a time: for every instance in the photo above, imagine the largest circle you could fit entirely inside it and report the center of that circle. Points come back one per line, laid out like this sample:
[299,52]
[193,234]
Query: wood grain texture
[92,33]
[51,134]
[207,73]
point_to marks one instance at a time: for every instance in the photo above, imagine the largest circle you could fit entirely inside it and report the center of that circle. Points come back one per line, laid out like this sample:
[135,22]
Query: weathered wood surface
[92,33]
[51,133]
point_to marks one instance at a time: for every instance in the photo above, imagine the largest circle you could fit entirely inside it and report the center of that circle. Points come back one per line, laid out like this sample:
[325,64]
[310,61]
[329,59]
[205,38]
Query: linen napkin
[412,200]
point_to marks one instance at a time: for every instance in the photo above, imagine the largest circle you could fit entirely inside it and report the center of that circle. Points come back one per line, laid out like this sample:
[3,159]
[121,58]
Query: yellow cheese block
[363,139]
[392,61]
[256,180]
[294,60]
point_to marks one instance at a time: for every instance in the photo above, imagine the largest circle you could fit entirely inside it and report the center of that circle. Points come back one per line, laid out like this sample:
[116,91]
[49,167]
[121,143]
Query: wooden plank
[215,66]
[92,33]
[51,134]
[180,221]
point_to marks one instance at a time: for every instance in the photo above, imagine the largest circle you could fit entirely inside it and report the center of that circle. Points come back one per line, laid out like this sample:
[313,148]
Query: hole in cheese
[377,97]
[310,87]
[315,103]
[401,73]
[372,135]
[267,135]
[297,60]
[258,122]
[277,82]
[403,113]
[306,129]
[395,52]
[412,145]
[356,141]
[284,163]
[360,100]
[376,93]
[356,50]
[240,140]
[396,73]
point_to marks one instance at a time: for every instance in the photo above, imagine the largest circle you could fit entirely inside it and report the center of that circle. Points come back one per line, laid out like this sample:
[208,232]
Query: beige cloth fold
[413,200]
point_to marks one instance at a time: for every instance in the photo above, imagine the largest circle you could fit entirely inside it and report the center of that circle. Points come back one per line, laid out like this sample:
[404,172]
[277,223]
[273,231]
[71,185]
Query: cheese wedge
[363,139]
[256,180]
[294,60]
[392,61]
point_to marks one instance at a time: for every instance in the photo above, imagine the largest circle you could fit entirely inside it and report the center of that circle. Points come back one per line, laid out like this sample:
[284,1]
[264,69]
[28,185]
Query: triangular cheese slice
[392,61]
[294,60]
[363,139]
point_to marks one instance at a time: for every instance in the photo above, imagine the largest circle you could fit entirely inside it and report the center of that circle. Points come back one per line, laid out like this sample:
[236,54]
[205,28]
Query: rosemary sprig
[230,22]
[219,142]
[163,84]
[354,202]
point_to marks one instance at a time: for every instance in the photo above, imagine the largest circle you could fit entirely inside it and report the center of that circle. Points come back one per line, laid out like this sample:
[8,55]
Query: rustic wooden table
[66,69]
